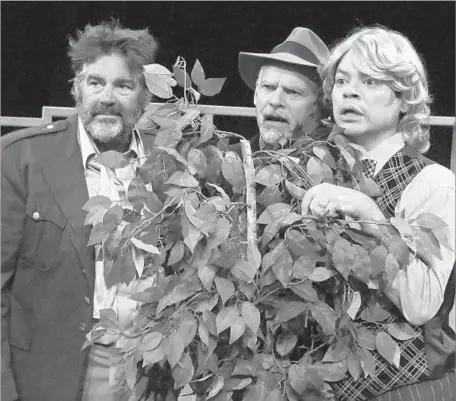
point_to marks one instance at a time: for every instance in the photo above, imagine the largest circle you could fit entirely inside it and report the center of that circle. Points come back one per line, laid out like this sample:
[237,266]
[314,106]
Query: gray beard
[270,134]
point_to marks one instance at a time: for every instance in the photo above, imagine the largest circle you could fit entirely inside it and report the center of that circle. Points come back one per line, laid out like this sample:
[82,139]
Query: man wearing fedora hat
[287,89]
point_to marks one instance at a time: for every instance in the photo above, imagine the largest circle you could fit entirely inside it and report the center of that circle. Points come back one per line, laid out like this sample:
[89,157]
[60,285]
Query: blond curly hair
[387,55]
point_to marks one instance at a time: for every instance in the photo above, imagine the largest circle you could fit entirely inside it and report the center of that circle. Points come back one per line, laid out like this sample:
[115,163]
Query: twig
[249,172]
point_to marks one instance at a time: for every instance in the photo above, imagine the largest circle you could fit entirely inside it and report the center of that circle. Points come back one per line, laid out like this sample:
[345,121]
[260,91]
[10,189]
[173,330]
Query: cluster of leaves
[280,319]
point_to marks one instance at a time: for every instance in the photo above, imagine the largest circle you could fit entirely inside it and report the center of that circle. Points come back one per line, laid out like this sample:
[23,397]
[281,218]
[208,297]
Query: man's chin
[105,131]
[271,136]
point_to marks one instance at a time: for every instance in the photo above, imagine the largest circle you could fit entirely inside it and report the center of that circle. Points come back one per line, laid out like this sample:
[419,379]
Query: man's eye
[370,81]
[340,81]
[124,86]
[94,83]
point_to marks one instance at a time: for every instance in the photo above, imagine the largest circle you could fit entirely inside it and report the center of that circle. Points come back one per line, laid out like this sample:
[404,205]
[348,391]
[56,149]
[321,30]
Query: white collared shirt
[419,289]
[116,297]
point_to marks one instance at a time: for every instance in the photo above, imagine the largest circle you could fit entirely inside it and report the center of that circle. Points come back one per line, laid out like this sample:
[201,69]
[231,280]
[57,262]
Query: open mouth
[350,111]
[275,119]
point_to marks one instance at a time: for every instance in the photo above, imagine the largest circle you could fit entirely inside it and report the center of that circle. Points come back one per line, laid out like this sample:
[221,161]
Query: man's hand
[329,200]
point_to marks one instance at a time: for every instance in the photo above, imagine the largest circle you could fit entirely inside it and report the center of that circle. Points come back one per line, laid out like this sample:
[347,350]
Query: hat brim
[250,64]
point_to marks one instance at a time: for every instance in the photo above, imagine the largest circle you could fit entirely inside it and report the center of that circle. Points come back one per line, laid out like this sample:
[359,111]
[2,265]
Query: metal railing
[209,111]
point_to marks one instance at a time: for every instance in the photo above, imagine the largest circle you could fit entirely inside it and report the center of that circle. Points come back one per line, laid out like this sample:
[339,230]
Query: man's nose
[351,92]
[276,97]
[108,96]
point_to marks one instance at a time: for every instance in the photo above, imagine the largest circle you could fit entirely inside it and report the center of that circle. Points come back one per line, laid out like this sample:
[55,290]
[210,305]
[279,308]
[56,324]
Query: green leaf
[183,371]
[112,217]
[174,348]
[337,351]
[325,156]
[233,171]
[333,372]
[251,316]
[303,267]
[187,327]
[399,249]
[97,235]
[378,257]
[427,246]
[402,331]
[285,342]
[305,378]
[299,245]
[269,196]
[367,361]
[211,86]
[96,202]
[318,171]
[207,304]
[197,162]
[151,341]
[168,137]
[177,253]
[366,338]
[157,81]
[214,159]
[370,188]
[283,267]
[225,288]
[203,334]
[218,385]
[225,318]
[257,391]
[270,258]
[374,313]
[112,159]
[210,320]
[146,247]
[388,348]
[402,226]
[343,256]
[253,256]
[325,316]
[206,274]
[321,273]
[238,384]
[430,221]
[294,190]
[123,270]
[197,73]
[152,357]
[243,270]
[391,268]
[354,365]
[191,234]
[271,175]
[182,77]
[237,329]
[178,294]
[182,179]
[175,154]
[289,311]
[305,291]
[354,305]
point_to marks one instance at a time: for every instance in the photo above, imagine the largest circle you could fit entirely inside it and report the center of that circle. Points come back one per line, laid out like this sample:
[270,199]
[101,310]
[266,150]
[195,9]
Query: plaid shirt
[393,178]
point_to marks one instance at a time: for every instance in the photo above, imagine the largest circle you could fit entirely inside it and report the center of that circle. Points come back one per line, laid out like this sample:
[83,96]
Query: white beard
[106,131]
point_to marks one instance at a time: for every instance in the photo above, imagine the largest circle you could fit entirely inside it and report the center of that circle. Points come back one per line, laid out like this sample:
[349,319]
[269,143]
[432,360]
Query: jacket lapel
[66,180]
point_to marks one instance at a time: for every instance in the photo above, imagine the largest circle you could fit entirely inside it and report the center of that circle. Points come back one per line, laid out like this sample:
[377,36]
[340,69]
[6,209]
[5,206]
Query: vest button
[87,300]
[36,215]
[83,327]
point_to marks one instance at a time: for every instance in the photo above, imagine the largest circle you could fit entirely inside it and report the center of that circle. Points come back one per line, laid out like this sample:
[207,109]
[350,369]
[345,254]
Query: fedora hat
[302,48]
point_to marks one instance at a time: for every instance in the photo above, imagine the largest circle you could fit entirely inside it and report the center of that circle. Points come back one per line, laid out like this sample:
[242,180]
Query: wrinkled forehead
[111,67]
[304,78]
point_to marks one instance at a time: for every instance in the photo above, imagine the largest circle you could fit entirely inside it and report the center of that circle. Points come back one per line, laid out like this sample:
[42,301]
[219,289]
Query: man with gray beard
[287,89]
[53,286]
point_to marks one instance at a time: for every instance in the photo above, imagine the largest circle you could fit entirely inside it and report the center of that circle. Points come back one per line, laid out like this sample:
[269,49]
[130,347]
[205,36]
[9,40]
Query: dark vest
[432,352]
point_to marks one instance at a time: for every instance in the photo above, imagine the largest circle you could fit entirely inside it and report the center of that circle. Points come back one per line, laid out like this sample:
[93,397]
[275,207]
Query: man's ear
[255,98]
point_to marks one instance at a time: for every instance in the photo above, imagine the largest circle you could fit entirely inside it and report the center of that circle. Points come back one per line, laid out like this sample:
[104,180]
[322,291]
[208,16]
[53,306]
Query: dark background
[34,36]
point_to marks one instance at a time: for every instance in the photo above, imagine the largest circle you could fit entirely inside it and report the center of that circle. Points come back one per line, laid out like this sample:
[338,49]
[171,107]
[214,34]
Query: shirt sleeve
[418,290]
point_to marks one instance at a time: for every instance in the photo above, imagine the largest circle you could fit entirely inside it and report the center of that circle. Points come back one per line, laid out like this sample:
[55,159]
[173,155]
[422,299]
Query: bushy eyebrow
[117,81]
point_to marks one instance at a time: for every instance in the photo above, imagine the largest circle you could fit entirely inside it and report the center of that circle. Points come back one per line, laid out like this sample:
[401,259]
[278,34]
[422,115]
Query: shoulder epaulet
[56,126]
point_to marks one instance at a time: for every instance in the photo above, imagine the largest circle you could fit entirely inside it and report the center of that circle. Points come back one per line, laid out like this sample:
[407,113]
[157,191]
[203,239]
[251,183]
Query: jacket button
[83,327]
[36,215]
[87,300]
